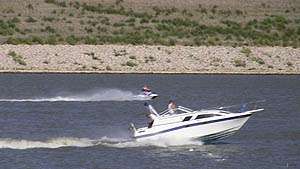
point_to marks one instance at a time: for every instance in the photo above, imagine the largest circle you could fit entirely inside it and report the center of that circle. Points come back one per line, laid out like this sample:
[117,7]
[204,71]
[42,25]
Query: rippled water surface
[81,121]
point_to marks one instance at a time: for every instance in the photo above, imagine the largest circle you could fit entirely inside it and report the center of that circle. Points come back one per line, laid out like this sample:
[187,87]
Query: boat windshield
[178,110]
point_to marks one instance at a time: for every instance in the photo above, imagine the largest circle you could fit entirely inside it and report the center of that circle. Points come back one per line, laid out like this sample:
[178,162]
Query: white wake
[87,96]
[85,142]
[53,143]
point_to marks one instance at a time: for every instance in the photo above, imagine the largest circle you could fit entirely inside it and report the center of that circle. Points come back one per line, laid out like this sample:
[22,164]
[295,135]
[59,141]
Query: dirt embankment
[149,59]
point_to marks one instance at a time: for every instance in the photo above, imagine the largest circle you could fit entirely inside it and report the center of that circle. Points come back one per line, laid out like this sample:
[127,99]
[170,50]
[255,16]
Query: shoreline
[144,59]
[142,72]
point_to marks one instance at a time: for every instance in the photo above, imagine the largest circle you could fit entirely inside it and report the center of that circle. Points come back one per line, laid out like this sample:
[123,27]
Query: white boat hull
[205,131]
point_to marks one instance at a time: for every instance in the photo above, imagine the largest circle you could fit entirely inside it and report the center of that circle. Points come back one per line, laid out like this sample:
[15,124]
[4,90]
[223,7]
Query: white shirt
[152,116]
[171,108]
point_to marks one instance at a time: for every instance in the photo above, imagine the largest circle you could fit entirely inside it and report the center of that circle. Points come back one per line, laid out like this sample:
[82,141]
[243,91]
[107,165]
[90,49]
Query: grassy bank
[258,23]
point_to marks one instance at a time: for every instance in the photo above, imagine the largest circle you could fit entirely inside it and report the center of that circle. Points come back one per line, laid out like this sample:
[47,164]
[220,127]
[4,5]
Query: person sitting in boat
[146,90]
[171,107]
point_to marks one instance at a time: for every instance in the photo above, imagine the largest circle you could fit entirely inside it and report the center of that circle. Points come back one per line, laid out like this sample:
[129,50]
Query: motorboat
[185,123]
[146,96]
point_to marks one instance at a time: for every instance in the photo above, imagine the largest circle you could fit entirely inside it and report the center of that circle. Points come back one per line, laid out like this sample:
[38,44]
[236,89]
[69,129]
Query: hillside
[151,22]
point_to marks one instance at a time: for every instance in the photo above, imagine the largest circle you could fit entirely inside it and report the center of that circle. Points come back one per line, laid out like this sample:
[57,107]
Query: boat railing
[184,109]
[164,112]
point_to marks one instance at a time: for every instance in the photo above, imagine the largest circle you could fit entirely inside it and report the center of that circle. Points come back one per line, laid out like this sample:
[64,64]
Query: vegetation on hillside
[75,22]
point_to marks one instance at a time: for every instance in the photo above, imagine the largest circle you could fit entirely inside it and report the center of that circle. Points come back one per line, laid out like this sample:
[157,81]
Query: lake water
[81,121]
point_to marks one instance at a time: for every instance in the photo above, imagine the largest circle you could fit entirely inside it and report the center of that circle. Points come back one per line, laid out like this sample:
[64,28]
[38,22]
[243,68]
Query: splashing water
[85,142]
[88,96]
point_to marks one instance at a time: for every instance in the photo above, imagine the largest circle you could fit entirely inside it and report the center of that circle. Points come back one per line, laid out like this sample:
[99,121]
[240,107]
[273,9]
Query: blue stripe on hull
[194,124]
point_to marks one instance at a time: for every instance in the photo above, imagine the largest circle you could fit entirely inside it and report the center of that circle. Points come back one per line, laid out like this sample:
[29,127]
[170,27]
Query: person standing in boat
[152,114]
[146,90]
[151,117]
[171,107]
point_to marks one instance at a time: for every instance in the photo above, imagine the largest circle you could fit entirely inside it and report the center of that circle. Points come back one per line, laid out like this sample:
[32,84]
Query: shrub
[30,19]
[130,64]
[246,51]
[88,29]
[108,68]
[37,40]
[144,20]
[50,1]
[130,20]
[203,10]
[49,29]
[120,53]
[239,12]
[15,20]
[46,62]
[72,40]
[90,40]
[105,21]
[132,57]
[289,64]
[17,58]
[150,59]
[61,4]
[29,6]
[93,55]
[48,19]
[258,60]
[172,42]
[89,54]
[118,24]
[13,41]
[51,40]
[7,28]
[239,63]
